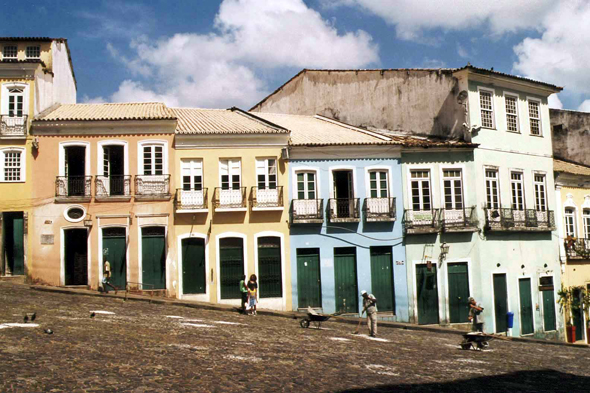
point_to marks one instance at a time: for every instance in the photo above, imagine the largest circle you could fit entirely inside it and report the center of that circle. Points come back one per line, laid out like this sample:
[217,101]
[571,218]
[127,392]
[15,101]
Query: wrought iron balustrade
[231,198]
[13,126]
[73,186]
[152,186]
[190,200]
[421,221]
[307,211]
[380,209]
[267,197]
[112,186]
[577,248]
[529,220]
[460,220]
[344,209]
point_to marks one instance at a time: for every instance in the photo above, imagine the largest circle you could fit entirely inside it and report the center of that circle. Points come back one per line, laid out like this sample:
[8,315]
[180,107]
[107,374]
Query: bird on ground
[92,314]
[48,331]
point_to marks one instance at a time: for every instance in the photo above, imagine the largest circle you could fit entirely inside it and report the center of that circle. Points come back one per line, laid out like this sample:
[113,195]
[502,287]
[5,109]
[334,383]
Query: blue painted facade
[361,235]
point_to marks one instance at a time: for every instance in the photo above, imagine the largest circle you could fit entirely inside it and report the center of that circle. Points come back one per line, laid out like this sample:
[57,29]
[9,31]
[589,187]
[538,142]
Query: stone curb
[286,314]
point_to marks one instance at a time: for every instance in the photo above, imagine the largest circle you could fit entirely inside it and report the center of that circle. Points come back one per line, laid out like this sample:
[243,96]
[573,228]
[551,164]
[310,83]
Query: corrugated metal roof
[569,167]
[106,112]
[221,121]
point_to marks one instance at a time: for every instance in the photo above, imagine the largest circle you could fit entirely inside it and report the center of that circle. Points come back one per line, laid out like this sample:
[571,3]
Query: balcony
[152,187]
[307,211]
[13,127]
[113,188]
[344,209]
[422,221]
[267,199]
[230,200]
[460,220]
[192,201]
[73,188]
[512,220]
[577,248]
[379,209]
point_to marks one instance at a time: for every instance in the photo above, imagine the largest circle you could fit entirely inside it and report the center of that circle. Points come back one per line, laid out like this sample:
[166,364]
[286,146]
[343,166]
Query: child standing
[252,293]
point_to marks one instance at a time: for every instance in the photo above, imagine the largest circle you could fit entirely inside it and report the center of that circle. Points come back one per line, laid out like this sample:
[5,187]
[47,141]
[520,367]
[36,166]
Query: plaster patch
[11,325]
[103,312]
[242,358]
[372,338]
[382,370]
[227,323]
[197,325]
[472,361]
[339,339]
[174,317]
[186,346]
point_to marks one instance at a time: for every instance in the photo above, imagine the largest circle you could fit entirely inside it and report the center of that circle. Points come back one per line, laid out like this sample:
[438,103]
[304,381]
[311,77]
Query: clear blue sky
[221,53]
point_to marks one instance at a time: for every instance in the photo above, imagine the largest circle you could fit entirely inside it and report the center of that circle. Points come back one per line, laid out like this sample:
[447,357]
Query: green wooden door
[114,250]
[193,266]
[458,292]
[309,285]
[427,293]
[578,319]
[76,256]
[270,277]
[153,257]
[14,242]
[382,278]
[501,303]
[345,280]
[231,267]
[526,306]
[549,311]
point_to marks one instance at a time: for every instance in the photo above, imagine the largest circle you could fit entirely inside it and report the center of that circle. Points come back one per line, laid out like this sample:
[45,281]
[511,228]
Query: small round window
[75,213]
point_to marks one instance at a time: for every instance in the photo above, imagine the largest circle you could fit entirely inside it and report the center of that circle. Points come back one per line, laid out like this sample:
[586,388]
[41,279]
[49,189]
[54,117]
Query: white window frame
[306,190]
[586,222]
[512,195]
[23,162]
[9,46]
[62,156]
[101,155]
[4,99]
[539,103]
[379,190]
[333,169]
[497,181]
[194,166]
[573,221]
[420,192]
[32,57]
[536,186]
[517,114]
[453,195]
[493,110]
[263,168]
[145,143]
[230,172]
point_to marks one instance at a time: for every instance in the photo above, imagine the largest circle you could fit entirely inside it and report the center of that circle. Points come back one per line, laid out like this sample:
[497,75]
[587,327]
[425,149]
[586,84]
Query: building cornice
[344,152]
[123,127]
[223,141]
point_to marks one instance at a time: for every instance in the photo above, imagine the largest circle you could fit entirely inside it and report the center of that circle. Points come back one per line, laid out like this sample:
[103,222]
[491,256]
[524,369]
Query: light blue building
[345,236]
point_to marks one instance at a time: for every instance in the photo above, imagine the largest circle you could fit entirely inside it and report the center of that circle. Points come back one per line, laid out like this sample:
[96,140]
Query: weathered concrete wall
[571,141]
[418,102]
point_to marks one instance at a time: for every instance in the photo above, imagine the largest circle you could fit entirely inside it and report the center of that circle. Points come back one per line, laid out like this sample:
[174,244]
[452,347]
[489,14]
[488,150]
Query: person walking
[106,280]
[370,307]
[244,293]
[475,316]
[252,294]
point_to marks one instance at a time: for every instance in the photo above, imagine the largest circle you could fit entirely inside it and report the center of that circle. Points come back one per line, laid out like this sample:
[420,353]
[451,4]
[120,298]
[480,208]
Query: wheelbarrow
[313,317]
[476,340]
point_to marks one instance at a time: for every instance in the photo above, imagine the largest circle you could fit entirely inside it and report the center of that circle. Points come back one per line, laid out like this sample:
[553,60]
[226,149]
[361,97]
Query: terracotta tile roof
[569,167]
[38,61]
[29,39]
[222,121]
[108,112]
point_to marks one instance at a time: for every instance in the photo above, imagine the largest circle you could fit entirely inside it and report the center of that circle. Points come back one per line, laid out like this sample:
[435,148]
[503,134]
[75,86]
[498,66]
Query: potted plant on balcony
[565,301]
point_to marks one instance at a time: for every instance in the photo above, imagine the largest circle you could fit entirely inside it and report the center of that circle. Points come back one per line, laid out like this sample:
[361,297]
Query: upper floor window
[153,159]
[586,221]
[11,165]
[570,222]
[10,52]
[15,101]
[192,174]
[486,105]
[492,189]
[511,113]
[306,186]
[33,52]
[379,184]
[453,189]
[266,173]
[230,174]
[535,117]
[540,192]
[516,183]
[420,185]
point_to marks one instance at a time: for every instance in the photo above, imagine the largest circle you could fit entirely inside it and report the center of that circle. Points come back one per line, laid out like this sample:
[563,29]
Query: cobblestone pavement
[146,347]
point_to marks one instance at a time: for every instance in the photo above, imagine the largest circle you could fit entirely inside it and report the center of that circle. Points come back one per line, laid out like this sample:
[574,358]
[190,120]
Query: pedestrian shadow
[521,381]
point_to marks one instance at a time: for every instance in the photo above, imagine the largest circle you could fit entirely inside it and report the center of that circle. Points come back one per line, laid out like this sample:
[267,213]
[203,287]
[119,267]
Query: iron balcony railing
[344,209]
[190,200]
[113,186]
[232,198]
[307,211]
[379,209]
[73,186]
[13,126]
[266,197]
[577,248]
[152,186]
[421,221]
[460,220]
[529,220]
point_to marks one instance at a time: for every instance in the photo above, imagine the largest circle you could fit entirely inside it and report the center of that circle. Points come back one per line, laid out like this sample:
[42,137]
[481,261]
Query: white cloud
[584,106]
[554,102]
[462,52]
[562,54]
[222,69]
[94,100]
[412,18]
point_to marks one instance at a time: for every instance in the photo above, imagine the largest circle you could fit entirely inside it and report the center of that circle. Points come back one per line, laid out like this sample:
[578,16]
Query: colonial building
[512,253]
[230,213]
[35,73]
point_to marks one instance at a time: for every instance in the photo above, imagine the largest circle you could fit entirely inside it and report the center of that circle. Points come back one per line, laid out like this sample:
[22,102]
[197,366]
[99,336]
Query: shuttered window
[487,108]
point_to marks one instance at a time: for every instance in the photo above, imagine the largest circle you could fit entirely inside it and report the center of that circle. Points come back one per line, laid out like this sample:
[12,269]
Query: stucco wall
[63,84]
[361,235]
[383,99]
[571,135]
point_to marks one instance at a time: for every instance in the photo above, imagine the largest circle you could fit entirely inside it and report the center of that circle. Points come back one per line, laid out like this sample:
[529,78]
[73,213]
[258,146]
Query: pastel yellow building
[230,216]
[35,73]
